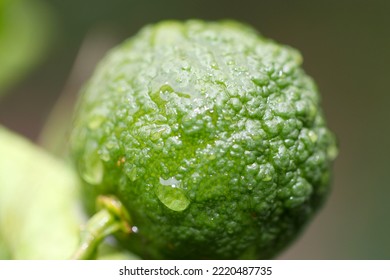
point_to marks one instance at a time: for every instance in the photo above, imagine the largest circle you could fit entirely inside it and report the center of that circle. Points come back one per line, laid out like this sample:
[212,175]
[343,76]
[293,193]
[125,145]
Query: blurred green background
[346,49]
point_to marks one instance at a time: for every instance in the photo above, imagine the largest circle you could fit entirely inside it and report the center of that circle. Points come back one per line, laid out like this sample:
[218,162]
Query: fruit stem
[112,218]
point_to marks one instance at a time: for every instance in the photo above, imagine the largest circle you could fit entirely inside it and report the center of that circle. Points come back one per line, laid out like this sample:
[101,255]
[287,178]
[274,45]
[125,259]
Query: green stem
[110,219]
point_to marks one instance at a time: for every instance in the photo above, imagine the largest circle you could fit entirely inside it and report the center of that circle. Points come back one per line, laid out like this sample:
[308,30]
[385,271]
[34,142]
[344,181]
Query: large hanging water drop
[91,166]
[169,193]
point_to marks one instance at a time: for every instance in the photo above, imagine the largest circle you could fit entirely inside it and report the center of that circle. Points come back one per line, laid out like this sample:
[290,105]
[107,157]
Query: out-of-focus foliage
[39,216]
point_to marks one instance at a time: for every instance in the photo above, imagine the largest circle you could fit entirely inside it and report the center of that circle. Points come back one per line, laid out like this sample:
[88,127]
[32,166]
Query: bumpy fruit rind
[211,136]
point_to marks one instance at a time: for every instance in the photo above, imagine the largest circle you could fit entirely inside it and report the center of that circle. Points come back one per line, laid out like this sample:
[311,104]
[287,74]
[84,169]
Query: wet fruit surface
[211,136]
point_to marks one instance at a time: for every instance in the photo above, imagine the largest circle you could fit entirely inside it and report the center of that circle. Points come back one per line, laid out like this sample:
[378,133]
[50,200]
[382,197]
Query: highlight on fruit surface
[211,137]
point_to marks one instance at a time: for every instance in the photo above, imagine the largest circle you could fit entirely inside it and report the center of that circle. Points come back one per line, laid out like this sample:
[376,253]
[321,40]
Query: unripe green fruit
[210,135]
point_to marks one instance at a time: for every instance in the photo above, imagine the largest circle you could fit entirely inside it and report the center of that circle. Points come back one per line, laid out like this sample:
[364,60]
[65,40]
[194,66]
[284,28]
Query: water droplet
[236,104]
[332,152]
[313,136]
[157,133]
[173,182]
[185,66]
[166,88]
[266,172]
[104,154]
[231,227]
[299,193]
[169,193]
[131,171]
[91,167]
[261,80]
[111,144]
[134,229]
[95,122]
[212,156]
[302,188]
[231,62]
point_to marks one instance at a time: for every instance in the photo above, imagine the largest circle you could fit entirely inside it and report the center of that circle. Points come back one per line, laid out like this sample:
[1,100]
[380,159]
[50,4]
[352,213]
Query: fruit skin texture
[211,136]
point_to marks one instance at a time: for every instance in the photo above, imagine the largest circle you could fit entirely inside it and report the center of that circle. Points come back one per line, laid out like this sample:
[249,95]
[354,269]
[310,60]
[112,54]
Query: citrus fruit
[210,135]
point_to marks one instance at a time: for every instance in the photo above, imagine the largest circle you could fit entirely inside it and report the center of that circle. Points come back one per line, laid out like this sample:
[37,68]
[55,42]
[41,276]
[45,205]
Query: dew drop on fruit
[332,152]
[104,154]
[134,229]
[169,193]
[266,172]
[95,122]
[91,167]
[131,171]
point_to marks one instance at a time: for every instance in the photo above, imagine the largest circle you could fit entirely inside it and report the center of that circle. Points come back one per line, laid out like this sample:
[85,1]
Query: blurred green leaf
[4,252]
[39,217]
[40,211]
[24,31]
